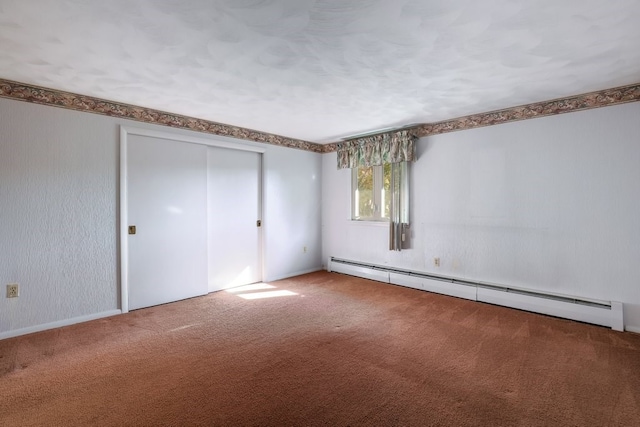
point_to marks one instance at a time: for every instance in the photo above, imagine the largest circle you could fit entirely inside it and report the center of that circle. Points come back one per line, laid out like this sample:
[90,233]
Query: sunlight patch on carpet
[268,294]
[254,287]
[183,327]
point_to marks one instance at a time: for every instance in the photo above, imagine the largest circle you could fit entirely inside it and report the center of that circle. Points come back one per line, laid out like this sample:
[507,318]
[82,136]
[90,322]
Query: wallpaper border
[587,101]
[44,96]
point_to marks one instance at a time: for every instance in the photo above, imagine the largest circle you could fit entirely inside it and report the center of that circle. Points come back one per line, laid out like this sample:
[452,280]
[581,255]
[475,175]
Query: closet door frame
[123,226]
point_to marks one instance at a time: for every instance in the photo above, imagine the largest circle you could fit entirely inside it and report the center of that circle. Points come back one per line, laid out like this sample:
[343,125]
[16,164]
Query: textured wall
[58,191]
[292,208]
[549,204]
[59,212]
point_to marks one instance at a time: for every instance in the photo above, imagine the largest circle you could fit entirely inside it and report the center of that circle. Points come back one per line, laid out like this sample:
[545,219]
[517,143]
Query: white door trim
[124,220]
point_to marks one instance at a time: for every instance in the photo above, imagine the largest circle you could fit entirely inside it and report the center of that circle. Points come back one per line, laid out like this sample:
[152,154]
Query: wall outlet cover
[13,290]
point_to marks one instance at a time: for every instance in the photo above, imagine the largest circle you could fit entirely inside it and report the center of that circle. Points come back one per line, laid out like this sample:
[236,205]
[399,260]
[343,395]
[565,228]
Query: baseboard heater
[603,313]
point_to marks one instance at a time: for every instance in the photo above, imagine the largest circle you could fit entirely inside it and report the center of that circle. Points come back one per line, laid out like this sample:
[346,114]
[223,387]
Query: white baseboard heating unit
[603,313]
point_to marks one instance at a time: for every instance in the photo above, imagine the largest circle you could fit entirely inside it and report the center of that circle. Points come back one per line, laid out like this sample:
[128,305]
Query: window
[370,195]
[381,192]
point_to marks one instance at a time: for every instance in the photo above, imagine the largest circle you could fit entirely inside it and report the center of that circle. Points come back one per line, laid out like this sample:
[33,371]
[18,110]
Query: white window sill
[368,223]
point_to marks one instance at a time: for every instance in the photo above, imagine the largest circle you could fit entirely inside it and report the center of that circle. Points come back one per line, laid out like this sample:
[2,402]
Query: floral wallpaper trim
[56,98]
[586,101]
[38,95]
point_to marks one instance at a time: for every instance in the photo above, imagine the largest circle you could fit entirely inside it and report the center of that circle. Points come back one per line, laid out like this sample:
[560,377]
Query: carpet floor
[332,350]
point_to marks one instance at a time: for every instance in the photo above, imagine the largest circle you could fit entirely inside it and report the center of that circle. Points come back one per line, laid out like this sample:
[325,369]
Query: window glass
[385,196]
[364,197]
[371,195]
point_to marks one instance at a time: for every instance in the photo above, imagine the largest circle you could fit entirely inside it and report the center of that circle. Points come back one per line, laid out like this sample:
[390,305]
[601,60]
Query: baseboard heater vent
[604,313]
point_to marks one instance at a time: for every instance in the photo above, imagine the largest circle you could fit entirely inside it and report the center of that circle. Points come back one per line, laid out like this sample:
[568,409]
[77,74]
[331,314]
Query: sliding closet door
[167,204]
[234,211]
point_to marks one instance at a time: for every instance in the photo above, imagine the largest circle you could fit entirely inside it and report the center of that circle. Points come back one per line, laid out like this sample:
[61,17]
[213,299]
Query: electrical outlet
[13,291]
[436,262]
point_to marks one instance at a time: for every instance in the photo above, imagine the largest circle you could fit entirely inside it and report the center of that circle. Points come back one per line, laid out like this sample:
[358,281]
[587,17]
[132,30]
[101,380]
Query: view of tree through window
[371,190]
[365,207]
[386,191]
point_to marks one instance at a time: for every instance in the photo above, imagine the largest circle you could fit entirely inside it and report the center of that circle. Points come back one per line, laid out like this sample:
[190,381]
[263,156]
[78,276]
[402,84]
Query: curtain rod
[381,131]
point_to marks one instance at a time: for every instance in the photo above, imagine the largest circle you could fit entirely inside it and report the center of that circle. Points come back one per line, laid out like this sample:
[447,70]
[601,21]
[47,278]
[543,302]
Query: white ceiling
[321,70]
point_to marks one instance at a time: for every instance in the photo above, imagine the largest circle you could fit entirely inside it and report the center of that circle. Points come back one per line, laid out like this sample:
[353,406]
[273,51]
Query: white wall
[551,203]
[59,209]
[292,186]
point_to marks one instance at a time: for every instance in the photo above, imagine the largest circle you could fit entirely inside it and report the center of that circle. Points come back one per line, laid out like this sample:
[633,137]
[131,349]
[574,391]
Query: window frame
[378,197]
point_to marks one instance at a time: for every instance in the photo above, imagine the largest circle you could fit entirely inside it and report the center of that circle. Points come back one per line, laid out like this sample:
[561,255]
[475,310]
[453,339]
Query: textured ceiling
[326,69]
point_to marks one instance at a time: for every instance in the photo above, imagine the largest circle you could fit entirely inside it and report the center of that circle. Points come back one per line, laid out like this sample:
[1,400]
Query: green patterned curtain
[377,150]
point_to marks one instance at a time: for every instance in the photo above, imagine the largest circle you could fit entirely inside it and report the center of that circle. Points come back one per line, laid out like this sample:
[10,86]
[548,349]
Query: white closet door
[234,209]
[167,203]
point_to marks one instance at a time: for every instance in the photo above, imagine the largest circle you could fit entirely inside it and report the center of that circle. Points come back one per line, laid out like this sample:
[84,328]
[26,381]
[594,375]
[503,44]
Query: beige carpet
[343,351]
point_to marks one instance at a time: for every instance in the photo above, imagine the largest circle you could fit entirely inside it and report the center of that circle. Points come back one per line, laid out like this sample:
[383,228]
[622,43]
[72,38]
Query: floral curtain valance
[377,150]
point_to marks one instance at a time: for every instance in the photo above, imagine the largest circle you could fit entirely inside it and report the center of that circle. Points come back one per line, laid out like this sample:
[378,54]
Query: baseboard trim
[58,324]
[597,312]
[632,329]
[294,274]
